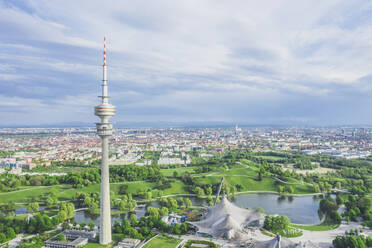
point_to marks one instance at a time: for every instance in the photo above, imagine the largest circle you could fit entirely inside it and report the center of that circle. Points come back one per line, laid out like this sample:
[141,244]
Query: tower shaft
[105,223]
[104,129]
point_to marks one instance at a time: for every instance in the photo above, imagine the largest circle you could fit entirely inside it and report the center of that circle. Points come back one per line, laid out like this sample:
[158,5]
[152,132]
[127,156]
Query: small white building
[128,243]
[173,219]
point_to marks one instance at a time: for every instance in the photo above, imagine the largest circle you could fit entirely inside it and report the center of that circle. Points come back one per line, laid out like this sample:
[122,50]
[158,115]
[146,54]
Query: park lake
[299,209]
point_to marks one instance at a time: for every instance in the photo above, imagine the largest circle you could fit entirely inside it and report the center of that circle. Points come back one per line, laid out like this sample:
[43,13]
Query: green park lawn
[178,187]
[162,242]
[242,171]
[320,227]
[237,175]
[247,162]
[248,181]
[180,171]
[273,158]
[133,187]
[30,192]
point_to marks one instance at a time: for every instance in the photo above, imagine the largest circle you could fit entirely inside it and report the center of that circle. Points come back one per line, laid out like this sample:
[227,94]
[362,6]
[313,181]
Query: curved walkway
[325,238]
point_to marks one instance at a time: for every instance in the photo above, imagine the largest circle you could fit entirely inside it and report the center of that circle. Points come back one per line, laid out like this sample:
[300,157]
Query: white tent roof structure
[277,242]
[228,220]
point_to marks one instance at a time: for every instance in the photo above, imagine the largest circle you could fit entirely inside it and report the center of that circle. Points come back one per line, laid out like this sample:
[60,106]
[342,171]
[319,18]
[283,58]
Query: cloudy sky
[252,62]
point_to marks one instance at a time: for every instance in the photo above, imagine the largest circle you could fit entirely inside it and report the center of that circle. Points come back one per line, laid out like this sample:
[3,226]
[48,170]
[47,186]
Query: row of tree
[352,239]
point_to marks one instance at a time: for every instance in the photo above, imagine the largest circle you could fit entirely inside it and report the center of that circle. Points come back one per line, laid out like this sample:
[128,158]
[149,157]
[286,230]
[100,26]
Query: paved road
[325,238]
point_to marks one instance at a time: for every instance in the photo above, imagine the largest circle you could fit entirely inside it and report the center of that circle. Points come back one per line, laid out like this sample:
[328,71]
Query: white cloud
[200,53]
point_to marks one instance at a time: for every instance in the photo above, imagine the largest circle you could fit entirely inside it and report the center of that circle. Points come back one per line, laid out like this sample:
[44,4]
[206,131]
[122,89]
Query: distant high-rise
[104,130]
[237,130]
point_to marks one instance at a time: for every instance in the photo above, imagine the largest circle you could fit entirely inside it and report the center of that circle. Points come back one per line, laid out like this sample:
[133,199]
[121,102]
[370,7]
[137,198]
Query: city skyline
[270,63]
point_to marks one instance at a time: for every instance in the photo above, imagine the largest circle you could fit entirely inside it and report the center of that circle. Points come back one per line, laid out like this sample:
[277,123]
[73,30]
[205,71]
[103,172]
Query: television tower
[104,130]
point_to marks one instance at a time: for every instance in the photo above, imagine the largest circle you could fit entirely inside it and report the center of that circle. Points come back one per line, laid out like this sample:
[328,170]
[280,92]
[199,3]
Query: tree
[280,189]
[289,189]
[88,201]
[184,228]
[188,203]
[148,195]
[33,207]
[208,190]
[133,220]
[164,211]
[125,226]
[51,200]
[132,204]
[276,223]
[91,225]
[199,191]
[338,185]
[2,238]
[175,174]
[327,205]
[123,189]
[122,205]
[339,200]
[260,172]
[352,241]
[153,211]
[62,216]
[364,204]
[36,180]
[316,188]
[69,209]
[10,234]
[145,230]
[335,217]
[180,201]
[327,187]
[232,190]
[117,228]
[61,237]
[238,187]
[172,203]
[209,200]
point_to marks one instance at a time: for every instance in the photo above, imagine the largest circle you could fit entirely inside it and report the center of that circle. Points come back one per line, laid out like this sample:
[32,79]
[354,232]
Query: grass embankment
[326,225]
[30,192]
[266,233]
[95,245]
[320,227]
[67,192]
[290,233]
[272,158]
[162,242]
[247,179]
[59,169]
[180,171]
[200,243]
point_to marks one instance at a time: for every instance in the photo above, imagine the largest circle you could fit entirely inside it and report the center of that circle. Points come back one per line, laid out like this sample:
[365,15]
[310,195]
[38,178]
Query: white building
[128,243]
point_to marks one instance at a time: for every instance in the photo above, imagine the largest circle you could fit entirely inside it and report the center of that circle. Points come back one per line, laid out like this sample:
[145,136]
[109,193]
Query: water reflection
[20,211]
[300,209]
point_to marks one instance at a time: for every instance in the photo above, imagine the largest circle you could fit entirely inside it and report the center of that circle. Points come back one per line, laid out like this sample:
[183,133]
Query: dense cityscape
[32,147]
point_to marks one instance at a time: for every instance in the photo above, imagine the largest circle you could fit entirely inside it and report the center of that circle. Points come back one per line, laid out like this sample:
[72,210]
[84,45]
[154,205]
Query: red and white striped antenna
[104,51]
